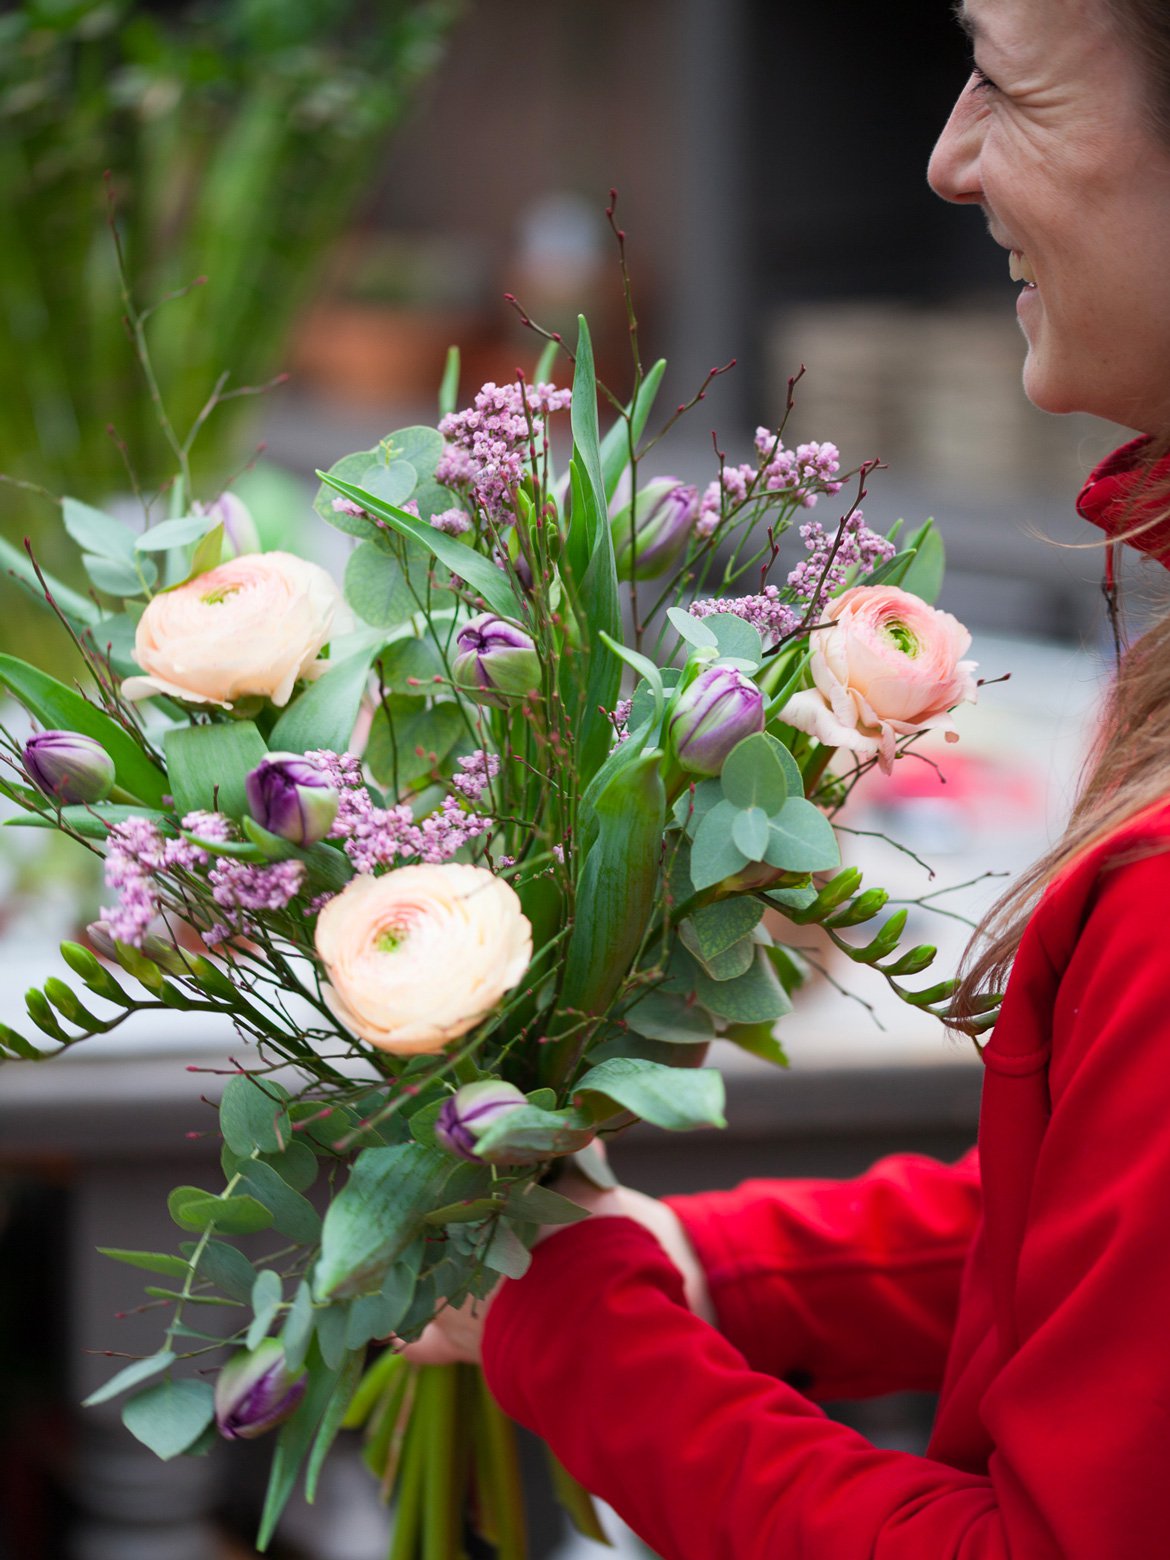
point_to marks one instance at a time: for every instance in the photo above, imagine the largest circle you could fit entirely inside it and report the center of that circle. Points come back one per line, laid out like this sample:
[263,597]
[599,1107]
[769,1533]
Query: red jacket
[1046,1321]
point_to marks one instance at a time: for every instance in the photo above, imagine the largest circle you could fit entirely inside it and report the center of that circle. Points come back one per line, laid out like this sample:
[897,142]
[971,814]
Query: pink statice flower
[816,579]
[244,889]
[452,522]
[773,618]
[490,443]
[376,836]
[138,857]
[477,771]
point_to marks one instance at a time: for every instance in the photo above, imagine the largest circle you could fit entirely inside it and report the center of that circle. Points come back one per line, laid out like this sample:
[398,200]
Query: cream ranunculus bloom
[252,626]
[418,956]
[887,665]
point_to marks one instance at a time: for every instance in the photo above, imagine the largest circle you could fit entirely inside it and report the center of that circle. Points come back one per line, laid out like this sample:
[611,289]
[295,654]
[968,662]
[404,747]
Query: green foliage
[208,765]
[376,1215]
[60,708]
[754,817]
[617,885]
[591,574]
[664,1096]
[170,1416]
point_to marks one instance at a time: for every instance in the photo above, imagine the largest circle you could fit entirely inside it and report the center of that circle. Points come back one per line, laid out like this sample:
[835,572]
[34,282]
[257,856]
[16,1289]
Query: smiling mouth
[1020,268]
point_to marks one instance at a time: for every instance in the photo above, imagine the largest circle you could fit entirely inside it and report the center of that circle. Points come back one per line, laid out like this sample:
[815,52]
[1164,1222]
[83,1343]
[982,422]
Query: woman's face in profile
[1050,137]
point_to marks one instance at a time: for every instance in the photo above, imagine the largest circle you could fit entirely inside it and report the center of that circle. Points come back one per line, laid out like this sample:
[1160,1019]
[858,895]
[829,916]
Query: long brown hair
[1128,768]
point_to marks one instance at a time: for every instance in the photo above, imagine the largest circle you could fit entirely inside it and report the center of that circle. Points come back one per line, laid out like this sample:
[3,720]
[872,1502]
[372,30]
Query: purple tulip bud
[497,662]
[69,767]
[290,796]
[467,1114]
[256,1391]
[239,529]
[711,715]
[664,520]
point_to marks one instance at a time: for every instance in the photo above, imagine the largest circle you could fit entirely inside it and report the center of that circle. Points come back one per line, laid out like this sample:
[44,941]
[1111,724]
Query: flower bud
[467,1114]
[239,529]
[159,950]
[711,715]
[290,796]
[497,662]
[69,767]
[256,1391]
[664,519]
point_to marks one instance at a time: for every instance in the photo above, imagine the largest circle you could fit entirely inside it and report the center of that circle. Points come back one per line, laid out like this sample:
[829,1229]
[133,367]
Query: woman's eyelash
[982,82]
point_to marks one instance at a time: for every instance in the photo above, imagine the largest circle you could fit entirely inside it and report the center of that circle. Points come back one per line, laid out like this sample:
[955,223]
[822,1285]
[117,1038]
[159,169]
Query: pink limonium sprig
[138,856]
[376,836]
[491,441]
[241,889]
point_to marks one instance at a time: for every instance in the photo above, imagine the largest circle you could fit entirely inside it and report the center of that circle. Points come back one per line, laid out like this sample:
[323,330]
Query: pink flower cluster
[801,475]
[379,836]
[860,548]
[479,769]
[490,442]
[765,612]
[138,855]
[242,889]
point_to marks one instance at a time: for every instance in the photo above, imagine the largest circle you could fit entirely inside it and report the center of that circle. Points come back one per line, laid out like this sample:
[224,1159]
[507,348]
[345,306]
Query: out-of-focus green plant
[239,136]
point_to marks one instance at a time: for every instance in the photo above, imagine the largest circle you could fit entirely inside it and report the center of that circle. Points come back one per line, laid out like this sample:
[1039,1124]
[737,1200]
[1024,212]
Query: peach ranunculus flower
[887,665]
[252,626]
[418,956]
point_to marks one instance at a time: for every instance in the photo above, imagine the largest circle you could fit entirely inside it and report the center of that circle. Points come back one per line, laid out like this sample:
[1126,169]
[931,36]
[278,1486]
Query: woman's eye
[982,81]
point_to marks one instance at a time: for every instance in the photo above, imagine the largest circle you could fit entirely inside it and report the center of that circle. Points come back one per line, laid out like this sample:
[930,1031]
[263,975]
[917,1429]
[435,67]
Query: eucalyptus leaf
[696,631]
[755,997]
[377,587]
[802,839]
[376,1215]
[292,1214]
[151,1261]
[737,640]
[168,1417]
[253,1113]
[130,1376]
[664,1015]
[196,1209]
[714,853]
[404,746]
[418,444]
[174,533]
[297,1331]
[96,532]
[750,831]
[393,484]
[227,1268]
[753,776]
[669,1097]
[120,576]
[506,1253]
[713,929]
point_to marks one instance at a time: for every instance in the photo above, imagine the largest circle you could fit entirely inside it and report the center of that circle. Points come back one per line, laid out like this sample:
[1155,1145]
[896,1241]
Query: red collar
[1111,498]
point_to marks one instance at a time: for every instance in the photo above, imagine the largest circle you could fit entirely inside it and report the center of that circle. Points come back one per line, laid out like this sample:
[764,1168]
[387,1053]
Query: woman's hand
[456,1334]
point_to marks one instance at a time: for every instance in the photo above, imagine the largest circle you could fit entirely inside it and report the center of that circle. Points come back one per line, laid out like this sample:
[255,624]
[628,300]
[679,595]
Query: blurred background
[341,189]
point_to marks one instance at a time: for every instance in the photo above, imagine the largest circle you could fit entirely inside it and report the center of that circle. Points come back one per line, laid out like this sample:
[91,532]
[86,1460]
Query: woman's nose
[953,170]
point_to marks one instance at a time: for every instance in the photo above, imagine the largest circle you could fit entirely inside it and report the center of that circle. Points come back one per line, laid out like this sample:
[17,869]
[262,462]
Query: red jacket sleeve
[710,1460]
[791,1266]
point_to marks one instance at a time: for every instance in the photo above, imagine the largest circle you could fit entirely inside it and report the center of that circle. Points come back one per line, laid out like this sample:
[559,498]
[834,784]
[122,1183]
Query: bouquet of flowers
[476,853]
